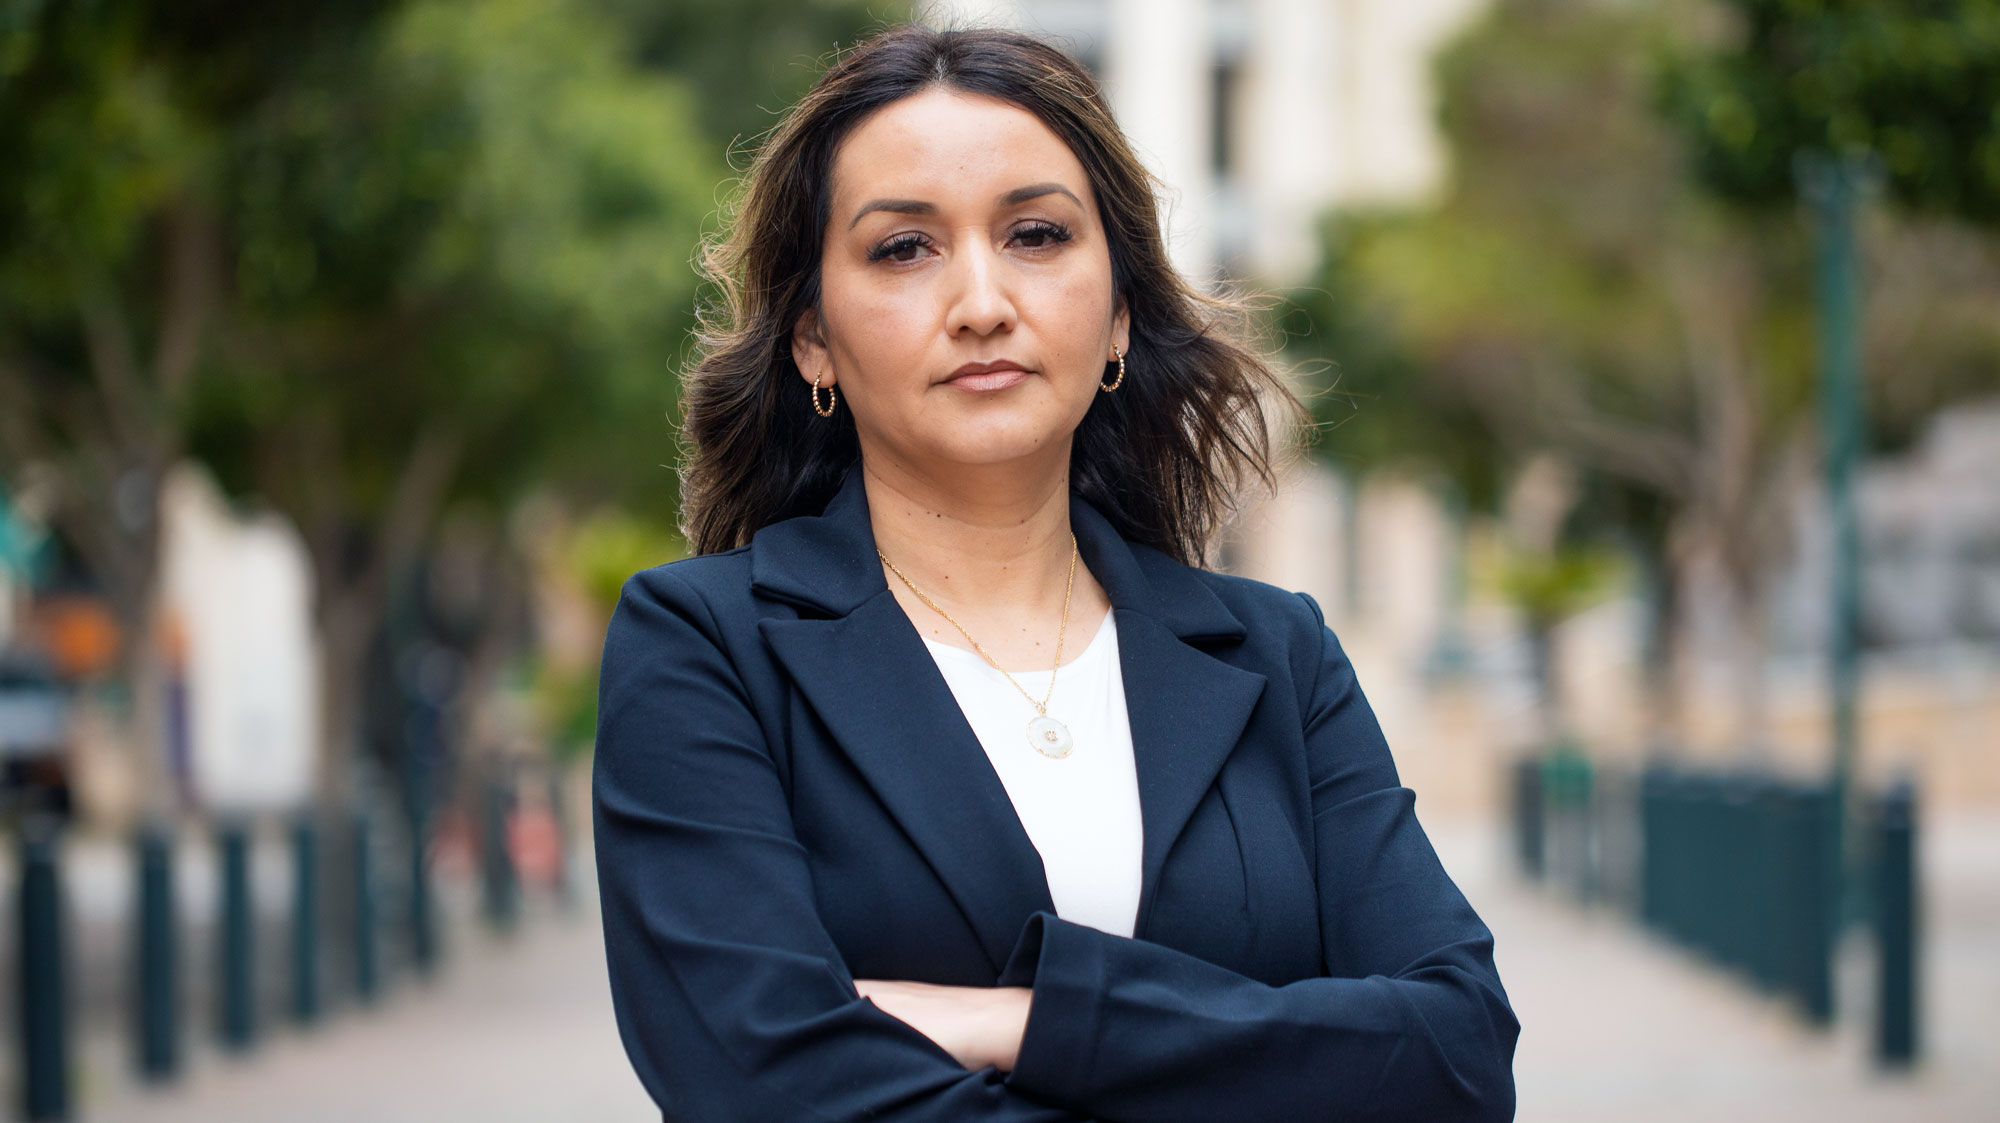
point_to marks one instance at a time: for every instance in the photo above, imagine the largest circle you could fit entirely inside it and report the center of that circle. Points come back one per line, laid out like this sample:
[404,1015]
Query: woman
[942,784]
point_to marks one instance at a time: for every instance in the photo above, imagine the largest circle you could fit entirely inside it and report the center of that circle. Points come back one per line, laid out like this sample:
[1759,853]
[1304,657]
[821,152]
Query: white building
[1259,114]
[238,589]
[1930,545]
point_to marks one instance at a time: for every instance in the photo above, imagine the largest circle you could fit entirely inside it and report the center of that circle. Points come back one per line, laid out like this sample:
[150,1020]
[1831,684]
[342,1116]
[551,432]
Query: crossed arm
[978,1026]
[734,1003]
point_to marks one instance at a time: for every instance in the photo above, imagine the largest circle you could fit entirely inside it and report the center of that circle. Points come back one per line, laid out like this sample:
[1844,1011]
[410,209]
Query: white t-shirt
[1081,811]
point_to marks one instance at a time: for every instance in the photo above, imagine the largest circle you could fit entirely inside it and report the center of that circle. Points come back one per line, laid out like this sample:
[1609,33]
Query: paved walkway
[510,1030]
[1618,1027]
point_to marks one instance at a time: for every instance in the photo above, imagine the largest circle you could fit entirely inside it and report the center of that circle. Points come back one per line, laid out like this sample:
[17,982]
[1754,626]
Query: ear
[1121,327]
[809,351]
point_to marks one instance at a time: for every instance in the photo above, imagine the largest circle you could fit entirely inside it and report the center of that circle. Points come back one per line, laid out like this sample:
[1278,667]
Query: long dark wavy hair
[1162,458]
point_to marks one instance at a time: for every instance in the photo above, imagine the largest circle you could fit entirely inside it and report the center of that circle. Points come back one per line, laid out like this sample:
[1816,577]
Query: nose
[981,300]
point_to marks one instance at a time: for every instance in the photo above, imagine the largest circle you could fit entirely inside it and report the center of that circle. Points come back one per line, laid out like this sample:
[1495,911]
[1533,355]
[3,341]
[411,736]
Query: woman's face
[962,231]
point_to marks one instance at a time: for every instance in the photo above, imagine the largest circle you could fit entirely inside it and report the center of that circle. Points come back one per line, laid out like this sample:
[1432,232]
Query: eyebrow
[1012,198]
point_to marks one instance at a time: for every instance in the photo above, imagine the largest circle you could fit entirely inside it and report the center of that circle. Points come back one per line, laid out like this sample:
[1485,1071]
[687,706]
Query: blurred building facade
[1930,525]
[1259,114]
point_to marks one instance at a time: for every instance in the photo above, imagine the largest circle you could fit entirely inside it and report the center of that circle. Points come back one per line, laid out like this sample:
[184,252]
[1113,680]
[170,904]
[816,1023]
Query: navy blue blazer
[787,798]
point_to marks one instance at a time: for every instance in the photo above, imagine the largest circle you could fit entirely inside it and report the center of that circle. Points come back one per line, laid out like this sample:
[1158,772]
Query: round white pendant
[1050,737]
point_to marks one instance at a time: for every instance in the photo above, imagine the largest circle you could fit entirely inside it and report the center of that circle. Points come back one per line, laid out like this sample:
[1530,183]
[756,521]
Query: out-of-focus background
[1655,349]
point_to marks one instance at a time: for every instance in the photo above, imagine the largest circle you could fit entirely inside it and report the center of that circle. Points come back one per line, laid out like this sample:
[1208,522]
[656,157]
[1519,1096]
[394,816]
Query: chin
[987,451]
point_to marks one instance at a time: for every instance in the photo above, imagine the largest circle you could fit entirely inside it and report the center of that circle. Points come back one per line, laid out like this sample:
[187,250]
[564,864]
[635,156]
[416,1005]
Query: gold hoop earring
[831,397]
[1107,387]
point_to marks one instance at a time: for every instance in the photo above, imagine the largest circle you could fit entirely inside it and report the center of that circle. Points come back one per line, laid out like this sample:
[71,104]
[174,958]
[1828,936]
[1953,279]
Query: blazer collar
[827,563]
[861,665]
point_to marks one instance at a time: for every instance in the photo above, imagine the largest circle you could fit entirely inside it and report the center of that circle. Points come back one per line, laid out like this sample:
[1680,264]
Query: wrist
[1009,1010]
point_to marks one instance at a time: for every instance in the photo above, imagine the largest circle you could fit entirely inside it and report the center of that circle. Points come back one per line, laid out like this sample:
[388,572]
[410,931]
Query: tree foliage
[479,230]
[370,260]
[1370,398]
[1915,83]
[1581,288]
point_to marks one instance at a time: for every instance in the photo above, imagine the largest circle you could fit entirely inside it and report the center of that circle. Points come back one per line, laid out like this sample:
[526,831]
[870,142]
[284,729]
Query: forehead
[941,144]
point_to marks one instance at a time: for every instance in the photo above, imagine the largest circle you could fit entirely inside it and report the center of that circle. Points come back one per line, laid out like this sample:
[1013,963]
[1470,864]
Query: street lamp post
[1832,187]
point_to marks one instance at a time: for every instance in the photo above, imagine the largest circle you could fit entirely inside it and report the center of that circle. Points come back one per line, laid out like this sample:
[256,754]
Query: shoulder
[1260,606]
[1278,629]
[1253,601]
[709,577]
[706,590]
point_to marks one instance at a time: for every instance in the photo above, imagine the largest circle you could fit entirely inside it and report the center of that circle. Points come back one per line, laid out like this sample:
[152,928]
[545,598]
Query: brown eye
[900,248]
[1039,235]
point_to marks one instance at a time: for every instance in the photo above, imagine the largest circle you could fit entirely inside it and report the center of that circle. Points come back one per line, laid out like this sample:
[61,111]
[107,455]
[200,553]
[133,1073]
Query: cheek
[875,328]
[1078,310]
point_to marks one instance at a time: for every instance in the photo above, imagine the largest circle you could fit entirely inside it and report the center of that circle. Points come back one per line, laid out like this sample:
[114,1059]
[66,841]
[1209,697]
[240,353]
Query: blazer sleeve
[1409,1022]
[730,996]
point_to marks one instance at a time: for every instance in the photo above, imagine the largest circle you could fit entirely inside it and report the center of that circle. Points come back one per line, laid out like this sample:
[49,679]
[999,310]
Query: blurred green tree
[1911,85]
[114,121]
[463,273]
[1813,99]
[1913,81]
[369,261]
[1370,401]
[1577,289]
[749,58]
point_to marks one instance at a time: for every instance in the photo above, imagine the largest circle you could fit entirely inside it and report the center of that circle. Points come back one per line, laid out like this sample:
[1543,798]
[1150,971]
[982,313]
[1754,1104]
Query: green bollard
[1725,871]
[1751,908]
[1683,860]
[1529,817]
[157,1013]
[1653,814]
[1702,916]
[1896,926]
[44,1020]
[1766,955]
[1566,780]
[500,881]
[305,920]
[1798,853]
[235,948]
[1650,903]
[1813,875]
[1656,834]
[423,925]
[565,887]
[1678,858]
[367,969]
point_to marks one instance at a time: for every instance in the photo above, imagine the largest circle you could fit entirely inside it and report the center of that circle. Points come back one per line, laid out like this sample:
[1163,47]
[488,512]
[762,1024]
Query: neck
[986,538]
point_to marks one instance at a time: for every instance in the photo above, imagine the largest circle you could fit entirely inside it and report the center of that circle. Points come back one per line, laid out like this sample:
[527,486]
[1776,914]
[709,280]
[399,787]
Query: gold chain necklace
[1048,736]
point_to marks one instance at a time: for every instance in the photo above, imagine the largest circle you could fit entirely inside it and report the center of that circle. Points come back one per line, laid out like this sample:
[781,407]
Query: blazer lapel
[868,676]
[871,681]
[863,667]
[1188,709]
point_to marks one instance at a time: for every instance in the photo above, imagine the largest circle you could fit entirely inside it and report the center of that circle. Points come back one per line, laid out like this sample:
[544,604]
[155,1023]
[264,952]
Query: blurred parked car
[34,737]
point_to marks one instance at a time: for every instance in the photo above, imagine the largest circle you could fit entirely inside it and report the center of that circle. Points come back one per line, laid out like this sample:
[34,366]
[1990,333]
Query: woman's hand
[978,1026]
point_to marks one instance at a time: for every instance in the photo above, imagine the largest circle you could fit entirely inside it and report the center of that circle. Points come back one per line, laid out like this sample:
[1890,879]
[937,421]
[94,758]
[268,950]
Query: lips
[995,375]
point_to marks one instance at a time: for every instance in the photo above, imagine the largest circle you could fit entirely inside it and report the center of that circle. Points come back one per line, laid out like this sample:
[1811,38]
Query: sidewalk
[512,1029]
[1618,1028]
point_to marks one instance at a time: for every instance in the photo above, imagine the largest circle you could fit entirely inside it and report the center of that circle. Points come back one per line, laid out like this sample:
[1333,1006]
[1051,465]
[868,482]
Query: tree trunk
[1663,663]
[351,603]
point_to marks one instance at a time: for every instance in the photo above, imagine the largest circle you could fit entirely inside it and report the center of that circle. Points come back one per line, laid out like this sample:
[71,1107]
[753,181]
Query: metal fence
[1742,867]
